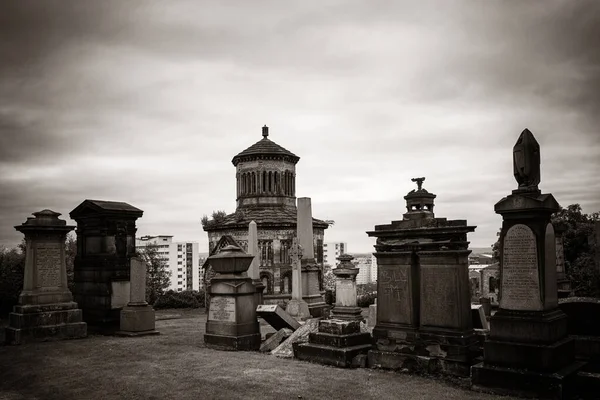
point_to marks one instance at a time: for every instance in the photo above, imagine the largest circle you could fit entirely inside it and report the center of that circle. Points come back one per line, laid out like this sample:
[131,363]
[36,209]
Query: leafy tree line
[580,246]
[12,267]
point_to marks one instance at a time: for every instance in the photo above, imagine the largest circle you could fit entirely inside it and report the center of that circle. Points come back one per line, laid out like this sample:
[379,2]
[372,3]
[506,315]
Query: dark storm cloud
[148,101]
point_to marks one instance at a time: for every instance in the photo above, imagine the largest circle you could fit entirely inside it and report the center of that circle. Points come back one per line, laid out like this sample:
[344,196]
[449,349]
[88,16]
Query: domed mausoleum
[266,194]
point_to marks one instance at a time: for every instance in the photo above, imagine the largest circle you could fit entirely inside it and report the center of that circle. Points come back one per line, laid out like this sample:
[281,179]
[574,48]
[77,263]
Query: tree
[217,216]
[496,249]
[580,248]
[12,267]
[70,253]
[158,277]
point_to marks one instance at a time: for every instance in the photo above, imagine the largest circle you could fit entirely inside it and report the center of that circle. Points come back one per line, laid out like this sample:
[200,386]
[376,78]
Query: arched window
[253,182]
[270,181]
[243,184]
[264,181]
[276,185]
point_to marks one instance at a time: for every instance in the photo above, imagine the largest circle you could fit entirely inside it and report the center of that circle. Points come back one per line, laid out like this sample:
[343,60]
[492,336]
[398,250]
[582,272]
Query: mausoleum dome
[266,174]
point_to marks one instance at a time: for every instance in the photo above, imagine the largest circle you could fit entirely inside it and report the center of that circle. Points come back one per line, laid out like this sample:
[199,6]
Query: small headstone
[372,320]
[277,317]
[275,340]
[478,315]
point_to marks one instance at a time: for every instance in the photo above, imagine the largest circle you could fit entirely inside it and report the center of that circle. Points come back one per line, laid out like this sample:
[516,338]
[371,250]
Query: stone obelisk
[254,270]
[302,248]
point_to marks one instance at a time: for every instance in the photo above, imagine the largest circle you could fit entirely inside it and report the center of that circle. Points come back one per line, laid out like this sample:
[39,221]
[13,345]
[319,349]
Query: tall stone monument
[423,300]
[311,271]
[46,310]
[138,317]
[105,244]
[528,351]
[254,270]
[232,322]
[297,307]
[339,339]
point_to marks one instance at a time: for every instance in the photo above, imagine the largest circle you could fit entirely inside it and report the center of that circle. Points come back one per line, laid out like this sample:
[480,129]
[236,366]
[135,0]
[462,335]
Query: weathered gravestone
[339,339]
[105,244]
[46,310]
[254,270]
[232,323]
[138,318]
[423,299]
[297,307]
[528,352]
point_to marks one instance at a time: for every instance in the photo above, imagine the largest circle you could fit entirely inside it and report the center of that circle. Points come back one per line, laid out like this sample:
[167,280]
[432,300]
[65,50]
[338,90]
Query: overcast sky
[147,102]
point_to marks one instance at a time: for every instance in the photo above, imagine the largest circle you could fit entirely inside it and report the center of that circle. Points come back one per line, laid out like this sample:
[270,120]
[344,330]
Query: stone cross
[254,270]
[296,254]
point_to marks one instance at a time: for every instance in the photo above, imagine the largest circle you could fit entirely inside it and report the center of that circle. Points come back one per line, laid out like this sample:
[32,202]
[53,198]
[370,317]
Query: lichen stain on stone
[435,350]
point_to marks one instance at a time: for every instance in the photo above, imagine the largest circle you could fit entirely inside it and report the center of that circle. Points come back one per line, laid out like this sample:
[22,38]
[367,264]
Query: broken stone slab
[277,317]
[300,335]
[275,340]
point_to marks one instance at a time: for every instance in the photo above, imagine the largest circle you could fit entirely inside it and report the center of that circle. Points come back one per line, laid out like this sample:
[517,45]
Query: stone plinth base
[40,323]
[525,383]
[347,313]
[232,343]
[336,343]
[428,350]
[137,321]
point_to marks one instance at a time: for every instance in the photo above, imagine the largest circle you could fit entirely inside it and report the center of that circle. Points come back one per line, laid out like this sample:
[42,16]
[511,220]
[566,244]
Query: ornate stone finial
[526,161]
[419,182]
[345,261]
[265,131]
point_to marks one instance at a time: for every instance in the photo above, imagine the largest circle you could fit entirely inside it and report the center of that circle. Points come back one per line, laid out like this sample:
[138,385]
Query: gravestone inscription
[222,309]
[48,265]
[520,280]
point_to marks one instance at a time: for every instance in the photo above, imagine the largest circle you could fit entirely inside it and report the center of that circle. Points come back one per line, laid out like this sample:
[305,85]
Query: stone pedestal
[528,352]
[232,322]
[46,310]
[105,244]
[312,294]
[423,301]
[138,318]
[339,339]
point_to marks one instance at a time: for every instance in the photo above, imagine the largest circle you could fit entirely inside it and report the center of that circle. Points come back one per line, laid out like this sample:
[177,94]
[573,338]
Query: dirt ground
[177,365]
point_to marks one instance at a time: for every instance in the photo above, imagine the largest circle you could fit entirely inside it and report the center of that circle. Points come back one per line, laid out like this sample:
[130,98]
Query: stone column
[46,310]
[310,270]
[297,307]
[137,318]
[528,352]
[339,339]
[232,322]
[345,290]
[254,270]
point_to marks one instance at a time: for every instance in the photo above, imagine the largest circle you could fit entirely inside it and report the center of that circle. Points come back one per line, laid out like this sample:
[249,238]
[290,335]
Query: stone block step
[45,333]
[339,357]
[333,340]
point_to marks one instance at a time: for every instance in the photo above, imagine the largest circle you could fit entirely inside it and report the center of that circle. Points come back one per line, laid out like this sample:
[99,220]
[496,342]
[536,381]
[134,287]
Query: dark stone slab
[524,383]
[232,343]
[277,317]
[528,327]
[323,354]
[582,313]
[329,339]
[76,330]
[533,356]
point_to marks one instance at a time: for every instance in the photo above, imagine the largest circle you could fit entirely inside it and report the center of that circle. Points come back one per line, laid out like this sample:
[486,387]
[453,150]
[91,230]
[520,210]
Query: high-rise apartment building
[181,259]
[332,250]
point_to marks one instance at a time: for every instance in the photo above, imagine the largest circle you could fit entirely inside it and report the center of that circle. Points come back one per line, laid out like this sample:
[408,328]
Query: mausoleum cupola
[265,174]
[419,202]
